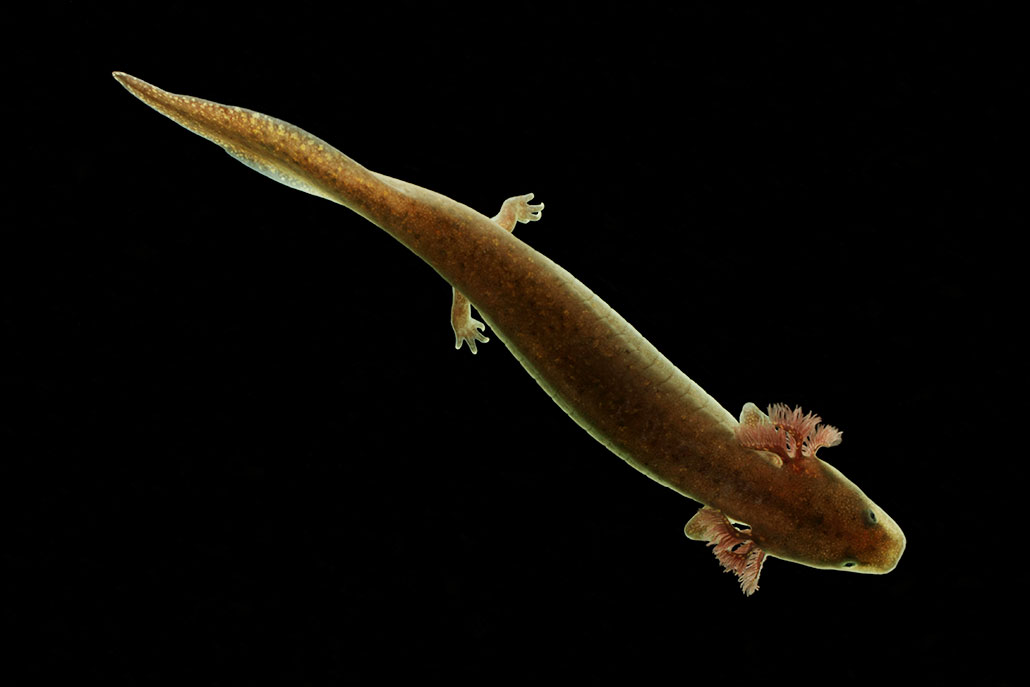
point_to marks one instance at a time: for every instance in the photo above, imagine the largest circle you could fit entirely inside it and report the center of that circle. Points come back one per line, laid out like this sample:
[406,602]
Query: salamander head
[805,510]
[853,533]
[827,521]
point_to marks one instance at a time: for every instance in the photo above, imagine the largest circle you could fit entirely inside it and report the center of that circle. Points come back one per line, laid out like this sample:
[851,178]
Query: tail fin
[277,149]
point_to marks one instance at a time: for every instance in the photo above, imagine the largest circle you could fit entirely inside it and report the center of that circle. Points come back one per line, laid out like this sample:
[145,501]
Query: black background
[241,447]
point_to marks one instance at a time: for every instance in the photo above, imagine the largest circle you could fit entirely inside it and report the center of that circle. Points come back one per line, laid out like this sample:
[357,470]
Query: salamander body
[760,472]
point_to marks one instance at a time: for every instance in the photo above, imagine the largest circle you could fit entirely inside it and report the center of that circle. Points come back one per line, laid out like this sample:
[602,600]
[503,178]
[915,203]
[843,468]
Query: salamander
[764,490]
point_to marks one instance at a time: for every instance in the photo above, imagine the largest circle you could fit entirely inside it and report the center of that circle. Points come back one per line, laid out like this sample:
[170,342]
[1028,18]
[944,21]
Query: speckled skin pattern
[596,366]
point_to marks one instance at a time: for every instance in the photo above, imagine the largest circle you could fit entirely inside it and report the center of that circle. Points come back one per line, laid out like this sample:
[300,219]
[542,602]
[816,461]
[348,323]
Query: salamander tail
[277,149]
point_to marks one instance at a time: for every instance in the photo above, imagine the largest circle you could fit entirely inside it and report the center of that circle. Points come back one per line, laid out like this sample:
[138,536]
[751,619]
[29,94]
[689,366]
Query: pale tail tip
[127,80]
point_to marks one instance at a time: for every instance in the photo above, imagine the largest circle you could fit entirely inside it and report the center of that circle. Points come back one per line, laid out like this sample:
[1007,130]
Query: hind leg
[518,209]
[467,329]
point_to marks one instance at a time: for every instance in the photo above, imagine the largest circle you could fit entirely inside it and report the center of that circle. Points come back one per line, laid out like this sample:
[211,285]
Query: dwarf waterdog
[762,472]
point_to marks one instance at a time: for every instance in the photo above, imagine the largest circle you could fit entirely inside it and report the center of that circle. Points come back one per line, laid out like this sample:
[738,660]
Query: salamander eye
[870,517]
[848,564]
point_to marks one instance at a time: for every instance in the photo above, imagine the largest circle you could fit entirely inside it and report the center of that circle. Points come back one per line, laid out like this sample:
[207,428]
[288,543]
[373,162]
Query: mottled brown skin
[603,373]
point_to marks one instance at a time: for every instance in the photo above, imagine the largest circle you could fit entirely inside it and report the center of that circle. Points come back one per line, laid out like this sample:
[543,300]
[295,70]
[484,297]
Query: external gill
[735,551]
[783,431]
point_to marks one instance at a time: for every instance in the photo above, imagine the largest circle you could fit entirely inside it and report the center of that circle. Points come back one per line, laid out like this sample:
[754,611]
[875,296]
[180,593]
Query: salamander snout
[883,544]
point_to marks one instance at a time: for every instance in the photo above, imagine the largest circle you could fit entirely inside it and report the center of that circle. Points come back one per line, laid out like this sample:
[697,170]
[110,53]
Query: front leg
[467,329]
